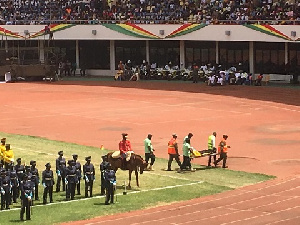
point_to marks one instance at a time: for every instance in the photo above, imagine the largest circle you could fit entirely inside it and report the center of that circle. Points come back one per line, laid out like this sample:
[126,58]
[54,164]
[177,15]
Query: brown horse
[135,163]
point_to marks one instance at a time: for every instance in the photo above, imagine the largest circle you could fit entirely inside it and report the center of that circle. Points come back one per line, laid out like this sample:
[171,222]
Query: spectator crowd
[149,11]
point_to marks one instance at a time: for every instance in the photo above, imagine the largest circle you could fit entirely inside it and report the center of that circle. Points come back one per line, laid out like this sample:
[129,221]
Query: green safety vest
[210,144]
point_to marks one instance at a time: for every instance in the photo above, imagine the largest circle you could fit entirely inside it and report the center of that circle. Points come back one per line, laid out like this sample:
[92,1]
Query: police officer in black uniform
[20,170]
[27,188]
[103,167]
[78,172]
[60,171]
[110,184]
[89,176]
[28,173]
[35,178]
[5,185]
[71,180]
[14,182]
[48,183]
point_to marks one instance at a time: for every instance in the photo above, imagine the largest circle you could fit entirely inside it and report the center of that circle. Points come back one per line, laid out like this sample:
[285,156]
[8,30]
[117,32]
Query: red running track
[263,125]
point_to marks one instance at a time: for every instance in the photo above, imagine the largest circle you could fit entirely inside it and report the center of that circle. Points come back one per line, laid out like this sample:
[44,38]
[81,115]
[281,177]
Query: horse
[135,163]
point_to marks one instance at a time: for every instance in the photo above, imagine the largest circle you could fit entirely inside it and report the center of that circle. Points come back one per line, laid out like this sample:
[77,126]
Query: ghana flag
[131,30]
[53,28]
[185,29]
[267,29]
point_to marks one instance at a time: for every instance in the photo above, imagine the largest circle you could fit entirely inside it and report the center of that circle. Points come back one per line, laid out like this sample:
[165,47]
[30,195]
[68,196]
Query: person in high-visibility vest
[8,156]
[149,152]
[2,149]
[222,150]
[173,152]
[211,147]
[187,150]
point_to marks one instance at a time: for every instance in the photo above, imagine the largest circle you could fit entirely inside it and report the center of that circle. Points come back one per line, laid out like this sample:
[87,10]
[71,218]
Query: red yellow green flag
[268,29]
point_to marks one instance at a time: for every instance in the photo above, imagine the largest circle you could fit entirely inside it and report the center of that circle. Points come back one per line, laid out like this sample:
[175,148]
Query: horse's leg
[137,178]
[129,186]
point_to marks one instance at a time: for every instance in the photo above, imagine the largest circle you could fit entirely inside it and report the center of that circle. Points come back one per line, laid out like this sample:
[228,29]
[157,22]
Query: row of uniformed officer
[71,175]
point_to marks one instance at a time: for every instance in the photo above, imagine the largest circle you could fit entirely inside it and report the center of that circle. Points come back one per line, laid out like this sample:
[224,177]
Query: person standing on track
[195,73]
[187,150]
[149,152]
[222,150]
[189,136]
[173,152]
[212,147]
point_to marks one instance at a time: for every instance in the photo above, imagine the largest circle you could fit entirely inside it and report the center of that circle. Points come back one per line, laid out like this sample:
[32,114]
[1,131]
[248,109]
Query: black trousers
[48,189]
[78,187]
[109,194]
[171,157]
[70,191]
[102,184]
[209,159]
[18,188]
[5,199]
[82,72]
[14,193]
[150,156]
[195,78]
[89,188]
[60,179]
[36,192]
[186,163]
[223,156]
[26,205]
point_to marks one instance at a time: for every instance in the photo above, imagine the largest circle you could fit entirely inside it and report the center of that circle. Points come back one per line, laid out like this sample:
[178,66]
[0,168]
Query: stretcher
[202,153]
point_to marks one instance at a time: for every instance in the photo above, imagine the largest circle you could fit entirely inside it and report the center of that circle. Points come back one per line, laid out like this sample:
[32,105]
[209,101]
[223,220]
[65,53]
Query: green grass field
[157,187]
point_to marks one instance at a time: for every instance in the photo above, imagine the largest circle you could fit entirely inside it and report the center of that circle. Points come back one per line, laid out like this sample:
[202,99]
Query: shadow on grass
[17,221]
[99,203]
[205,168]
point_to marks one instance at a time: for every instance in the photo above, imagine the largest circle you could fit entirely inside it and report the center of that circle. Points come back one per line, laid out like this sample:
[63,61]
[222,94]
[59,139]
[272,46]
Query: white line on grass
[174,177]
[133,192]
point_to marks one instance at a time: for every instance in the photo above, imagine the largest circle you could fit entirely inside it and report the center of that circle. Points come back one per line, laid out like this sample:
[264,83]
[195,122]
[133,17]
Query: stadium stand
[149,11]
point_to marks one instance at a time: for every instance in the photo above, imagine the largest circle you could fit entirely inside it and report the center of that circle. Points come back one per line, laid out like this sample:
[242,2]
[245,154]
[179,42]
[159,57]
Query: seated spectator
[150,11]
[258,80]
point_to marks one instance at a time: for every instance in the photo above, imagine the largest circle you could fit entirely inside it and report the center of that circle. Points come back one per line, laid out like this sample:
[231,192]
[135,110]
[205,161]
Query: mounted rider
[125,150]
